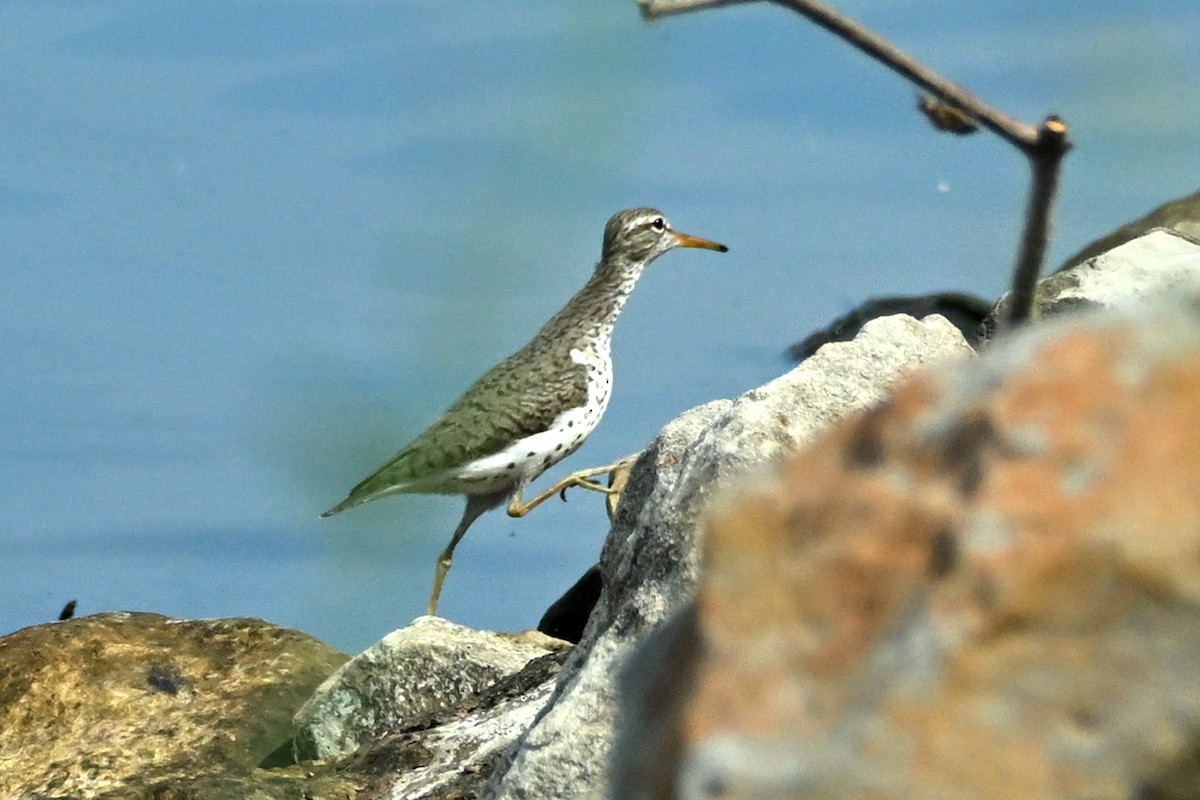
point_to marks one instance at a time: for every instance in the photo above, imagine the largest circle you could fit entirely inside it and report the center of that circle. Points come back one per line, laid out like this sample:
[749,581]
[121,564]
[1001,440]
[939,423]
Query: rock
[1180,216]
[655,687]
[1158,262]
[987,587]
[649,562]
[454,753]
[143,707]
[68,610]
[408,678]
[963,311]
[110,701]
[568,615]
[563,752]
[448,756]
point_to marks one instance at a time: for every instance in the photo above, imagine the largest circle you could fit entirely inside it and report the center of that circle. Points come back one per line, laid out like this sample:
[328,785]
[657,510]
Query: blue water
[247,250]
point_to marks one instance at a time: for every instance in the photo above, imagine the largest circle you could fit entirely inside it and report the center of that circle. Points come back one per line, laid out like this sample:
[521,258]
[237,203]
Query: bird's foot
[618,472]
[582,482]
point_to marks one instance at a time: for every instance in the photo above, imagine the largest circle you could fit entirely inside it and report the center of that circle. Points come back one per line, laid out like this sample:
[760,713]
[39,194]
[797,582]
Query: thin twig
[1044,145]
[653,9]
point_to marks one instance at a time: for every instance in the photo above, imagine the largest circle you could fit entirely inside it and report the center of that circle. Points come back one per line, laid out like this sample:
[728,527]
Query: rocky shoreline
[898,570]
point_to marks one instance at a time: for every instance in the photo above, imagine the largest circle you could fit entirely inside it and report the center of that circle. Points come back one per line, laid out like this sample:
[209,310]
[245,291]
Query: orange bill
[686,240]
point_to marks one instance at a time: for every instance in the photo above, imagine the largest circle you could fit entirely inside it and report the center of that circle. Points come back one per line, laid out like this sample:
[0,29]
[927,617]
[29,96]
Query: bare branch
[1044,145]
[1045,158]
[653,9]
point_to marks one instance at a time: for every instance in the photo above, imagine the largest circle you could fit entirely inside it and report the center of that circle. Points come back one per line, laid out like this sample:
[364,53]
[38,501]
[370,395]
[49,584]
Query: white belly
[525,459]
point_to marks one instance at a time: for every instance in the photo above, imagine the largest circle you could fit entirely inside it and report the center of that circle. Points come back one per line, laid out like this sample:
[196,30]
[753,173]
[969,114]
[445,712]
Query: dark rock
[568,615]
[964,311]
[68,610]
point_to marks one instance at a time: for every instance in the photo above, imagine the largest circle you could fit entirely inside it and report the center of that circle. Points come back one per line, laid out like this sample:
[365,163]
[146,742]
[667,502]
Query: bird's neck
[590,314]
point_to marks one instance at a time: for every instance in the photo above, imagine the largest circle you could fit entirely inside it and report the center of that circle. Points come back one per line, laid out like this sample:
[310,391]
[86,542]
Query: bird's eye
[659,223]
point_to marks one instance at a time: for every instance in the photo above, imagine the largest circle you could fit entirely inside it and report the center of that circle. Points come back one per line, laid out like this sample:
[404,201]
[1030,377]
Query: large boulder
[438,702]
[107,702]
[987,587]
[409,677]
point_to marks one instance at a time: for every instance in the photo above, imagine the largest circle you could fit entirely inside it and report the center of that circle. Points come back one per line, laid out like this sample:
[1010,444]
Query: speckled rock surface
[412,674]
[88,705]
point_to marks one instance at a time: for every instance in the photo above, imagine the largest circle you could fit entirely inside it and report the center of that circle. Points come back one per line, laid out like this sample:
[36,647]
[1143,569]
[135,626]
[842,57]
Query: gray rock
[1158,262]
[400,682]
[1181,215]
[650,558]
[564,752]
[455,755]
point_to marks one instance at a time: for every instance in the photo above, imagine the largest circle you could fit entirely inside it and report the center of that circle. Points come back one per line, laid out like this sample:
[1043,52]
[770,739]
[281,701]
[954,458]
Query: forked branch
[1044,145]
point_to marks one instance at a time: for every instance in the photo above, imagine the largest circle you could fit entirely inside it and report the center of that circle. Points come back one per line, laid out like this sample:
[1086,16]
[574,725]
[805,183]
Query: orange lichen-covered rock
[988,586]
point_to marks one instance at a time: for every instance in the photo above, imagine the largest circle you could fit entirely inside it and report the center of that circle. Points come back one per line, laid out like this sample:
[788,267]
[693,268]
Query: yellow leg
[518,507]
[476,505]
[445,559]
[616,483]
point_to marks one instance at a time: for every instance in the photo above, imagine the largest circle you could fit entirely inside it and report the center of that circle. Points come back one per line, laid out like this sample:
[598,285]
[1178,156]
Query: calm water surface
[249,249]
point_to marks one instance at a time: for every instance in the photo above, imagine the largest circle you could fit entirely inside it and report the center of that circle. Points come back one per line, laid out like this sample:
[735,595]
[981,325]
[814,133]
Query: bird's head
[644,234]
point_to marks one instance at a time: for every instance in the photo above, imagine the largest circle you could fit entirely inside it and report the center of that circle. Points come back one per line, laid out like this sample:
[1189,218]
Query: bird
[535,407]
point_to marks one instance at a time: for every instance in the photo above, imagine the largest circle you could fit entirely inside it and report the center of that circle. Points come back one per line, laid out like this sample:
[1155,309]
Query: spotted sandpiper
[535,407]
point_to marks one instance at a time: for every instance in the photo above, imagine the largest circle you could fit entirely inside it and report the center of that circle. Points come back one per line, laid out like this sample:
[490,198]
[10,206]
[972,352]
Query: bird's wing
[513,400]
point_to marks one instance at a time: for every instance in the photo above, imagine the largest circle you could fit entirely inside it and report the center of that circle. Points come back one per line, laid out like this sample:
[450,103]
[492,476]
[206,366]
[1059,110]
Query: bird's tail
[342,506]
[380,484]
